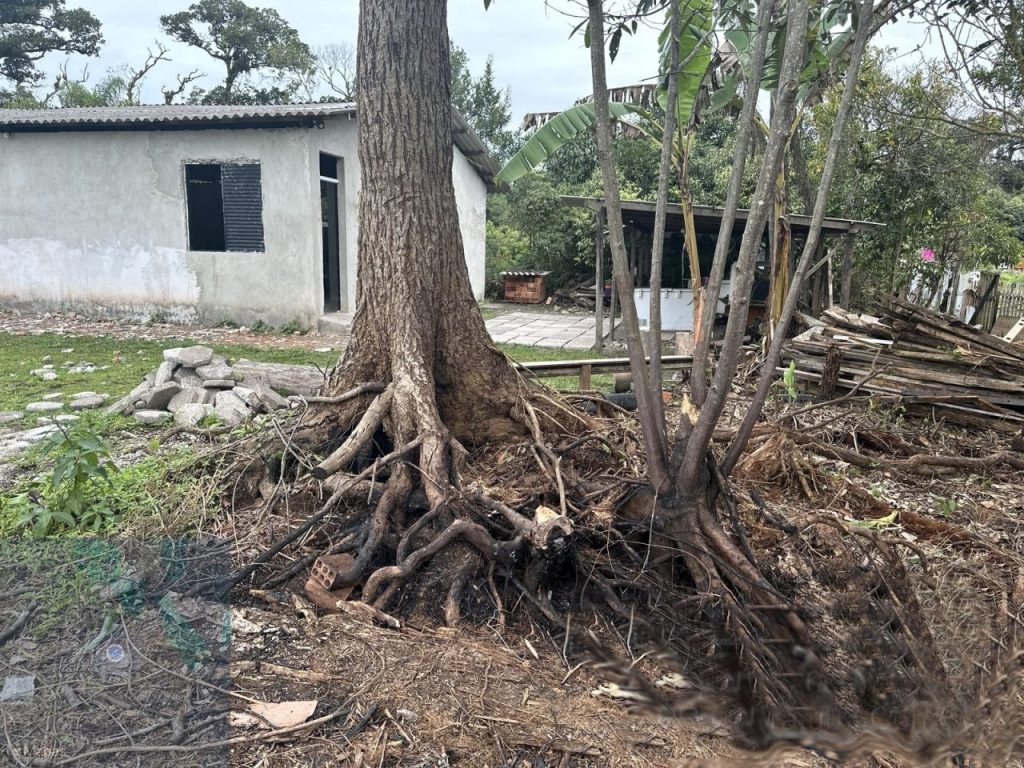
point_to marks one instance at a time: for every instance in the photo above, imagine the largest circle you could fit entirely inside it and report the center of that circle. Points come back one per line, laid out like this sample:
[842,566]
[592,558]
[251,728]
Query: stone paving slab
[544,330]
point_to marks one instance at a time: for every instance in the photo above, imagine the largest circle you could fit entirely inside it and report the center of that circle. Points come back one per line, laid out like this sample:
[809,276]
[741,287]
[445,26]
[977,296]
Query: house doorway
[329,228]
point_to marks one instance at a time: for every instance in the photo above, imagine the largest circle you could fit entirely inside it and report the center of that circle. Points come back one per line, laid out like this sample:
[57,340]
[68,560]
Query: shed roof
[199,116]
[707,218]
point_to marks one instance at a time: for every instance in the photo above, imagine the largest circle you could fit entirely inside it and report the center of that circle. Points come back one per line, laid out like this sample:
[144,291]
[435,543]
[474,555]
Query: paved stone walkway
[544,330]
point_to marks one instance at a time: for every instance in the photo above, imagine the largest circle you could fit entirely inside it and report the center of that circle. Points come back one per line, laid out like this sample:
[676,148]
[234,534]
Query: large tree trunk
[416,322]
[418,335]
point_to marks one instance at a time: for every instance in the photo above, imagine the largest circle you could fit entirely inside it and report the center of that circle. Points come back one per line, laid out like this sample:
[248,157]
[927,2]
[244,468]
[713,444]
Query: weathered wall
[339,137]
[471,197]
[96,222]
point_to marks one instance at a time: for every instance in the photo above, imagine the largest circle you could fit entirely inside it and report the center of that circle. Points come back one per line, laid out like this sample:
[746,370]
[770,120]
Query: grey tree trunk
[660,214]
[688,481]
[653,436]
[813,238]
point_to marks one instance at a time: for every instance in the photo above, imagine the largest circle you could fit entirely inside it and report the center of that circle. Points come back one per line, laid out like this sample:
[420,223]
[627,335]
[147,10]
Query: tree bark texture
[416,322]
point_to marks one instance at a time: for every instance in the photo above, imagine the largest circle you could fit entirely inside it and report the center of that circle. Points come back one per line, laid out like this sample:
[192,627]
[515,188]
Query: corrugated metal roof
[186,116]
[12,119]
[707,218]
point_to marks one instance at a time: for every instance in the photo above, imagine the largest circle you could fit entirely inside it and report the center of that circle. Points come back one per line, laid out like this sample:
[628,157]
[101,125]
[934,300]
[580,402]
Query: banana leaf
[695,49]
[560,129]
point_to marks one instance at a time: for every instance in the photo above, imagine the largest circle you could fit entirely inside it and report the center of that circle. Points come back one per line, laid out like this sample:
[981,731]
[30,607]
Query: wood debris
[933,365]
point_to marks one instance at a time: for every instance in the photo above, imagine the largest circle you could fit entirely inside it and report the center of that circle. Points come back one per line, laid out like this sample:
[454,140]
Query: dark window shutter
[243,207]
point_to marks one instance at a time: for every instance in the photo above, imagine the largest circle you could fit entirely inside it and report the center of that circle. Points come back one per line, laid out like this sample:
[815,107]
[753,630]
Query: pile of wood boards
[932,364]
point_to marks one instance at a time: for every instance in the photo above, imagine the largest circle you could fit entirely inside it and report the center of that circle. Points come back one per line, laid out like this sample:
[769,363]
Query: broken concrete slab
[63,418]
[249,397]
[191,414]
[45,374]
[158,397]
[219,383]
[270,400]
[190,396]
[190,357]
[44,407]
[8,416]
[53,396]
[87,403]
[164,373]
[126,403]
[215,371]
[230,408]
[151,417]
[187,377]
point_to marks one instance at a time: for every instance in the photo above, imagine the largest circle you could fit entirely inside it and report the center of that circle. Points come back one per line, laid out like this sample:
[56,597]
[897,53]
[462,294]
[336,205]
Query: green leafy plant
[67,498]
[293,327]
[261,327]
[789,380]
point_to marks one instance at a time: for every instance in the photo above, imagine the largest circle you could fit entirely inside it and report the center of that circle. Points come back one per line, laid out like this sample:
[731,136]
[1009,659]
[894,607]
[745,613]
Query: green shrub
[67,498]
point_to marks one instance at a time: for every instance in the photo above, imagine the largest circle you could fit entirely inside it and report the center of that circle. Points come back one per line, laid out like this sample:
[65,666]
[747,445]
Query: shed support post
[586,371]
[846,281]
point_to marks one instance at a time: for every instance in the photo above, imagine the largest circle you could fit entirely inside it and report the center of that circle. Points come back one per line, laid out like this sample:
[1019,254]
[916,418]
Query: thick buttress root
[544,520]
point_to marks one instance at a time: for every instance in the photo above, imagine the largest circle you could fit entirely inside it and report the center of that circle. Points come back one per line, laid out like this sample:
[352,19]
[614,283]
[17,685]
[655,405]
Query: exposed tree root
[558,521]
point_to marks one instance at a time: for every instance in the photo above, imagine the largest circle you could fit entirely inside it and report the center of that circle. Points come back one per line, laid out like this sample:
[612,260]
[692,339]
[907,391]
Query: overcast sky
[534,56]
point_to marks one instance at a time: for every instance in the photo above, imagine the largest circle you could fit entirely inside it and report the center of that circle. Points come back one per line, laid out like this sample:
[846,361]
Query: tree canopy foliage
[247,41]
[31,29]
[486,107]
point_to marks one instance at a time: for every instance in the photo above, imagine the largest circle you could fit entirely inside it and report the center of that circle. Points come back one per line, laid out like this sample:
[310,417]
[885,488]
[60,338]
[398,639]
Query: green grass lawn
[121,363]
[148,492]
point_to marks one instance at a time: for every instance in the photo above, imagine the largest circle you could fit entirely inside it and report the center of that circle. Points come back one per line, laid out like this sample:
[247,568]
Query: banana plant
[695,58]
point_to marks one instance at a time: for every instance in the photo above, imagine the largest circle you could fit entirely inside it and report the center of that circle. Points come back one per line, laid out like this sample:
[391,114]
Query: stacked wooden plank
[932,364]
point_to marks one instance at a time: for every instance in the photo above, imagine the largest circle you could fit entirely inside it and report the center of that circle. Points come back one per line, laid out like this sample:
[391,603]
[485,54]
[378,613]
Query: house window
[225,207]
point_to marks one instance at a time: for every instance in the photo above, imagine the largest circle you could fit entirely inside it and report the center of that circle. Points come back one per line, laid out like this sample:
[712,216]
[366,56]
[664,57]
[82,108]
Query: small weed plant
[293,328]
[67,499]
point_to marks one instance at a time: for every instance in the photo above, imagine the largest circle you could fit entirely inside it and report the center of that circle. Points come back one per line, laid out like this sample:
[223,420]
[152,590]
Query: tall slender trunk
[690,232]
[660,214]
[846,280]
[653,445]
[698,376]
[690,470]
[814,236]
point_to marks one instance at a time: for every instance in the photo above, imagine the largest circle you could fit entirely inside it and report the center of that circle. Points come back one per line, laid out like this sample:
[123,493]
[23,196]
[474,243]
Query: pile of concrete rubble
[194,383]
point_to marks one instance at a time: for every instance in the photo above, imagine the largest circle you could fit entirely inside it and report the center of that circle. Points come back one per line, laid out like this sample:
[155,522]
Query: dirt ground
[79,325]
[123,668]
[482,695]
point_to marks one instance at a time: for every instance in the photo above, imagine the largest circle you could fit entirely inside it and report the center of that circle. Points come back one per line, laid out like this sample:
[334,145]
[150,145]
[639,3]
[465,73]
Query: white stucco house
[197,213]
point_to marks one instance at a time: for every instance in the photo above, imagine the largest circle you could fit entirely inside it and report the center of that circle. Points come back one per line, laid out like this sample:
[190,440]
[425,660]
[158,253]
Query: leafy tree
[928,178]
[983,44]
[486,107]
[247,41]
[30,29]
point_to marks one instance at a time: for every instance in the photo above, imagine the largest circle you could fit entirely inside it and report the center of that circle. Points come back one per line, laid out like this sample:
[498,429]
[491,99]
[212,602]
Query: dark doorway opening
[329,227]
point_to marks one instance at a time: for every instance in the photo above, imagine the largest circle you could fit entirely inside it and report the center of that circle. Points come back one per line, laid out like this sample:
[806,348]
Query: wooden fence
[1011,300]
